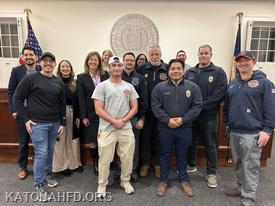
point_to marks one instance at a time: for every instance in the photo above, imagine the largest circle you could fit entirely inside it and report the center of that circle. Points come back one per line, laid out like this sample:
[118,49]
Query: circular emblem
[133,33]
[210,79]
[188,93]
[162,76]
[135,81]
[253,83]
[146,75]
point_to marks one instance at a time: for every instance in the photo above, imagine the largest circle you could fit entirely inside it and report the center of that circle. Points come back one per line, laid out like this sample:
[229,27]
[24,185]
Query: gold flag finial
[240,16]
[27,11]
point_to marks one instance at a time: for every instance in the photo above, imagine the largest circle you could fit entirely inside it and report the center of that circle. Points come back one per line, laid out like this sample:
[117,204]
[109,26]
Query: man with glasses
[44,118]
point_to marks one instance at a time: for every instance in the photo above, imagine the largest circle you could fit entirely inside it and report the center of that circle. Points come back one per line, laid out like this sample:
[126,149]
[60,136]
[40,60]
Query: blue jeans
[181,138]
[43,138]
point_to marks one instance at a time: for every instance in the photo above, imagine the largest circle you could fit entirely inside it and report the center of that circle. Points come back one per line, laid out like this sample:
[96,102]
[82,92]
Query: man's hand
[173,123]
[60,131]
[263,138]
[140,124]
[14,114]
[118,123]
[28,126]
[86,122]
[179,120]
[77,123]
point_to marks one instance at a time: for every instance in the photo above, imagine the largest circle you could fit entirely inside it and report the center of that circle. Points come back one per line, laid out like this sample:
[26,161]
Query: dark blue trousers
[181,139]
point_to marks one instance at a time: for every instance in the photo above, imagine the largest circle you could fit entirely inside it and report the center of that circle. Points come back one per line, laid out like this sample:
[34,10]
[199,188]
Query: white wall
[71,29]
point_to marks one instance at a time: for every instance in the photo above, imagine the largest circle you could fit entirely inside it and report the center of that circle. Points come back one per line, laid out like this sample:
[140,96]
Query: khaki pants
[67,150]
[123,141]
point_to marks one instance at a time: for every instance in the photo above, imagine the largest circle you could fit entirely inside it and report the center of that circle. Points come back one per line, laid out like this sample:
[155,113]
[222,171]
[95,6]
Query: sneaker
[157,171]
[144,170]
[128,188]
[79,169]
[233,192]
[22,174]
[101,191]
[211,181]
[191,169]
[42,194]
[161,189]
[51,181]
[186,188]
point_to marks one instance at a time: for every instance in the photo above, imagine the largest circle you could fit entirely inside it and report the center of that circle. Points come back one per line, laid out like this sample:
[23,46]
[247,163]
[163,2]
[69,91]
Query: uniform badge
[146,75]
[135,81]
[253,83]
[248,110]
[188,93]
[210,79]
[127,93]
[162,76]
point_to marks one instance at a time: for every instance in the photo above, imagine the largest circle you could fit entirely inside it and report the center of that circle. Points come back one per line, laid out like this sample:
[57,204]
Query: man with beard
[154,71]
[30,57]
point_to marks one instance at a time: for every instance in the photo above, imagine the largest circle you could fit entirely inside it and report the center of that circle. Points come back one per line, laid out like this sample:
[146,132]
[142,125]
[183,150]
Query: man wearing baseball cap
[115,103]
[250,117]
[44,118]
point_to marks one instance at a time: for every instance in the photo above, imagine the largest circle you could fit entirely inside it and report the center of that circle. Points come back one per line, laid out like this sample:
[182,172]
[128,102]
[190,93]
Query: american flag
[32,40]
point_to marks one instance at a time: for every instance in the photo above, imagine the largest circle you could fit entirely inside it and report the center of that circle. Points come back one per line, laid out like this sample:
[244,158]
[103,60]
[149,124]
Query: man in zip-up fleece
[175,103]
[250,116]
[212,81]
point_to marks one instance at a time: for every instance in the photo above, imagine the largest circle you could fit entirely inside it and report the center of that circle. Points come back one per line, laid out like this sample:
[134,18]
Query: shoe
[187,190]
[95,167]
[128,188]
[42,194]
[144,170]
[116,176]
[101,191]
[66,173]
[79,169]
[22,174]
[211,181]
[233,192]
[191,169]
[161,189]
[157,171]
[134,177]
[51,181]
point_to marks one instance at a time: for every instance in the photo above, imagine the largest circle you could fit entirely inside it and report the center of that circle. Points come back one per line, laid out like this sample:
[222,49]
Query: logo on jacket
[135,81]
[127,93]
[146,75]
[210,79]
[188,93]
[162,76]
[253,83]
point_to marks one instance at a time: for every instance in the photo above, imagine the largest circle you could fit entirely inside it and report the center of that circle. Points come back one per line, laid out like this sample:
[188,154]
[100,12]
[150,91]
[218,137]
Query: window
[9,37]
[262,40]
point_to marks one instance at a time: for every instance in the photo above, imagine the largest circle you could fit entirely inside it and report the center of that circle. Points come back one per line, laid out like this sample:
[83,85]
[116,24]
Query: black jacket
[17,74]
[140,84]
[153,76]
[212,82]
[85,89]
[169,101]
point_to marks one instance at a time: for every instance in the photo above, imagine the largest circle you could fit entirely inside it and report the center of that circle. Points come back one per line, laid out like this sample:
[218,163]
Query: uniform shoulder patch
[162,76]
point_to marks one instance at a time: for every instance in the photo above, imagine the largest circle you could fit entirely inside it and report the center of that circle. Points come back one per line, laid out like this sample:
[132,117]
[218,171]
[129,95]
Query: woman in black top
[67,149]
[86,82]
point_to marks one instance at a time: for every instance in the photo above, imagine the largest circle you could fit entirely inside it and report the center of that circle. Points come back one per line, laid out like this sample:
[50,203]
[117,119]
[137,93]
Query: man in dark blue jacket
[17,74]
[154,71]
[175,103]
[212,81]
[250,116]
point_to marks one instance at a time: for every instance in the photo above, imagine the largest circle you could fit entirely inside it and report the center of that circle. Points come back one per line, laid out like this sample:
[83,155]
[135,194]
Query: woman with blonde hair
[67,148]
[86,82]
[106,55]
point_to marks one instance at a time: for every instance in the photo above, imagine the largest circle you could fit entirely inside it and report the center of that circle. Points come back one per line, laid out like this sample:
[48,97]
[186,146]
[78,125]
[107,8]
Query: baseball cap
[115,59]
[246,54]
[47,54]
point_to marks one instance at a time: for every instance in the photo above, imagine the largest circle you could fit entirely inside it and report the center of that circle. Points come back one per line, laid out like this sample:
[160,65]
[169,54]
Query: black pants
[24,140]
[150,141]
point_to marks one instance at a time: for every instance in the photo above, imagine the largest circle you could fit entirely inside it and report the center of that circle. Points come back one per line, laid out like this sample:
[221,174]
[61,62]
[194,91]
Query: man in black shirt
[44,118]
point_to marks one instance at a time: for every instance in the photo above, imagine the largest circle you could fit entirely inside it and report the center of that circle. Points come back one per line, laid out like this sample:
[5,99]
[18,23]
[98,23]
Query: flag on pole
[31,41]
[237,48]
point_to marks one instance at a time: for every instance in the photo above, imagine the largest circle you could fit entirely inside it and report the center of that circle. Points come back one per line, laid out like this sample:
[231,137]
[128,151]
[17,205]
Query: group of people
[141,110]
